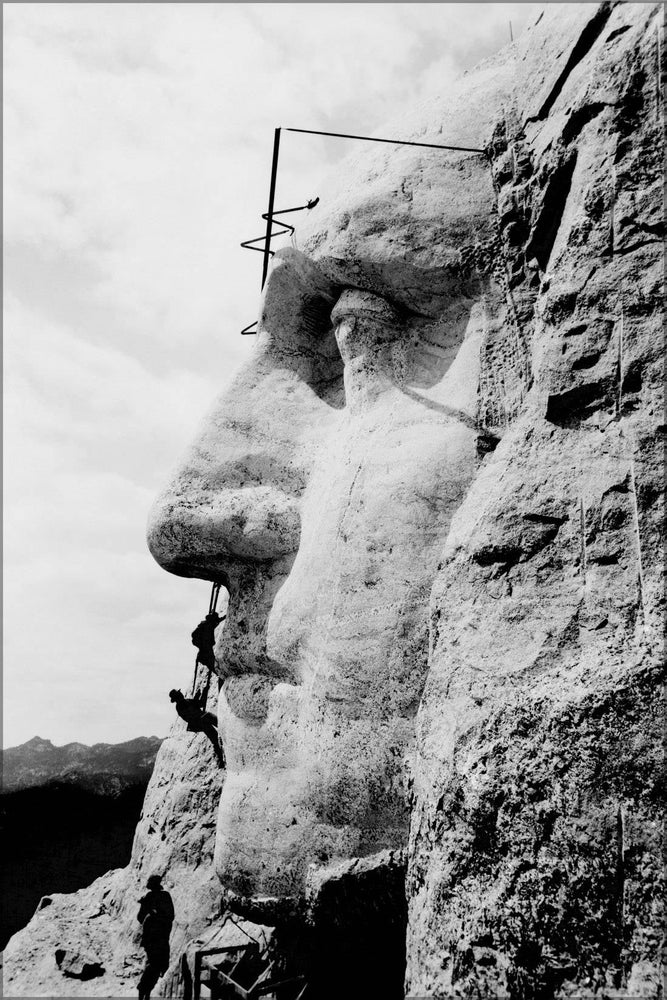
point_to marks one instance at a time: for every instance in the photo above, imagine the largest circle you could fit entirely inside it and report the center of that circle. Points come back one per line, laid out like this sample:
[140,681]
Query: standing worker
[156,915]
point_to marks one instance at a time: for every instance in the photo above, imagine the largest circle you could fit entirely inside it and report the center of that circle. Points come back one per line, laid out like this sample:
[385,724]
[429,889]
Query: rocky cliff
[435,499]
[535,850]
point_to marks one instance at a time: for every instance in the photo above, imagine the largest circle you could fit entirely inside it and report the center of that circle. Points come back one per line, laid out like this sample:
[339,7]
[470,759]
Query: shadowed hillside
[68,815]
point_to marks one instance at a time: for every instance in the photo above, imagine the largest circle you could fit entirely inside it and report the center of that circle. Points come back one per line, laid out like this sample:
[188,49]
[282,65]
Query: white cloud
[94,401]
[139,135]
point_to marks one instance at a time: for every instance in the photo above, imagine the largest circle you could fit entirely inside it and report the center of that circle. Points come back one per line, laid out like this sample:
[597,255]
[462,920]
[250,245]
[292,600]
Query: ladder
[242,971]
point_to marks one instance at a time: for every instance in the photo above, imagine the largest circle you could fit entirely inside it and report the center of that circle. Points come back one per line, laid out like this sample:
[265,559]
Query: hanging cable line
[394,142]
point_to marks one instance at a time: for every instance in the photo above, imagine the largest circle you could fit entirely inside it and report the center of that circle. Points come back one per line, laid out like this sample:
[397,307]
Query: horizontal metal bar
[395,142]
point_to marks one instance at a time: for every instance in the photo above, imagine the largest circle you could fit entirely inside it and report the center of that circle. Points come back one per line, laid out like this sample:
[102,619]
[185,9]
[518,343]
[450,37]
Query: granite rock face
[434,498]
[535,850]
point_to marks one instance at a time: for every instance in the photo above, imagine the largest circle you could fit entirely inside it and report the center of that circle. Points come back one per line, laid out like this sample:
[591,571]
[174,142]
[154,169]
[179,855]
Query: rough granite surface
[536,853]
[435,497]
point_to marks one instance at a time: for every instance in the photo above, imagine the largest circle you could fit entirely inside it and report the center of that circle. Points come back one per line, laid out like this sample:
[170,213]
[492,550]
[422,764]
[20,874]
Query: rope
[206,687]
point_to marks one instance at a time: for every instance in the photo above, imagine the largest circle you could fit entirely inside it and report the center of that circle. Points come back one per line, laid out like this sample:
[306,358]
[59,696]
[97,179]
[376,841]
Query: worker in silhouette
[156,915]
[193,711]
[203,638]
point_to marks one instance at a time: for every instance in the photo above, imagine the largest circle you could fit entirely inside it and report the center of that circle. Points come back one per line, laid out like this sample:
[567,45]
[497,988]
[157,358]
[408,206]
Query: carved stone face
[320,492]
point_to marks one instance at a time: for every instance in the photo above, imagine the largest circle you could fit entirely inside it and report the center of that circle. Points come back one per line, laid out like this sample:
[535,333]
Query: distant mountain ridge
[67,816]
[104,768]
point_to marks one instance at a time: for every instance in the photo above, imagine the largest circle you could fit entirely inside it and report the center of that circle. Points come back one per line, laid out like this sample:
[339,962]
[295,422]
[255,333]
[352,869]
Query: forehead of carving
[397,200]
[400,221]
[403,231]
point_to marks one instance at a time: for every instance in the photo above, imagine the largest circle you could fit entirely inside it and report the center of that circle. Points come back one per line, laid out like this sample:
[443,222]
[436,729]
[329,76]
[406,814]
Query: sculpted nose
[215,512]
[227,502]
[232,511]
[235,496]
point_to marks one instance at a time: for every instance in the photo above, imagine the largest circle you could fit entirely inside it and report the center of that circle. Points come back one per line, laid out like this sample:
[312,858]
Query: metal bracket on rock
[270,214]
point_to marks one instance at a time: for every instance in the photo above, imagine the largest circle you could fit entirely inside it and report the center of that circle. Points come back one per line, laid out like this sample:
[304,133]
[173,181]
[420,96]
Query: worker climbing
[193,711]
[203,636]
[156,915]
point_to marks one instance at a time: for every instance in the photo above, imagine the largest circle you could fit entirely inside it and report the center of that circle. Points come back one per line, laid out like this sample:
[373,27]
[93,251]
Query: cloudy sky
[137,153]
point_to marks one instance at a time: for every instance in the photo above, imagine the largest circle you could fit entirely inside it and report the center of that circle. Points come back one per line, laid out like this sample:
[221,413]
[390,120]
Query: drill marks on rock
[575,404]
[505,362]
[658,75]
[619,362]
[582,537]
[601,352]
[610,540]
[637,532]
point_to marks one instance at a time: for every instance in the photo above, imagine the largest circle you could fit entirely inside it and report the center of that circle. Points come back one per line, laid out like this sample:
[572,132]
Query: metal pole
[269,214]
[511,35]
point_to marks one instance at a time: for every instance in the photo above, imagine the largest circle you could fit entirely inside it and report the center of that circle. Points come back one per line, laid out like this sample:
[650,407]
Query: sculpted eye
[354,304]
[364,322]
